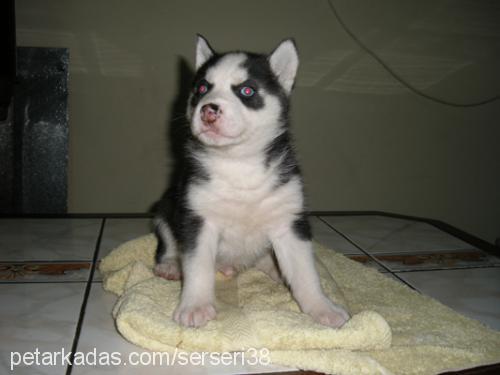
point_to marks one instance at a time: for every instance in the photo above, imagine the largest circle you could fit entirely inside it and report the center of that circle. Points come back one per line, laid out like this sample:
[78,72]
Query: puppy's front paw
[329,314]
[194,315]
[169,270]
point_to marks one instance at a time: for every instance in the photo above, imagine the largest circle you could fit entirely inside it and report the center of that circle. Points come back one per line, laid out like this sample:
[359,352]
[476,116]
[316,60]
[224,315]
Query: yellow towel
[255,312]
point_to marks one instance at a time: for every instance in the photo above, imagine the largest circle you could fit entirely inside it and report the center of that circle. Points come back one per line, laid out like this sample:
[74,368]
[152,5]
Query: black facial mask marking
[254,101]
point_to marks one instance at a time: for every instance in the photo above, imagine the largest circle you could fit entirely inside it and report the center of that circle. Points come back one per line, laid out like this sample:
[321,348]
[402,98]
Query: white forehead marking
[228,70]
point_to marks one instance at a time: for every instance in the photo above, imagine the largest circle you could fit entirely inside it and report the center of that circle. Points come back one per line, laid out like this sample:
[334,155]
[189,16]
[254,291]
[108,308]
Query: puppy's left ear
[284,61]
[203,51]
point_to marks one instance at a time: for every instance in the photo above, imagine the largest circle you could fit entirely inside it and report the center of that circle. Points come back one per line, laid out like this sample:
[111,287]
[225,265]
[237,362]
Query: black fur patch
[302,228]
[174,206]
[255,101]
[259,70]
[184,224]
[200,76]
[281,148]
[187,230]
[161,248]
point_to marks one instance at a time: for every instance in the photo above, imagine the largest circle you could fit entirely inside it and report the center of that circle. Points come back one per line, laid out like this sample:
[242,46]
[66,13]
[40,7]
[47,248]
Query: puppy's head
[239,96]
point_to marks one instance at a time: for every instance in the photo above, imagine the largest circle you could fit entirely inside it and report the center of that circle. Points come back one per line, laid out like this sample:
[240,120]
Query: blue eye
[247,91]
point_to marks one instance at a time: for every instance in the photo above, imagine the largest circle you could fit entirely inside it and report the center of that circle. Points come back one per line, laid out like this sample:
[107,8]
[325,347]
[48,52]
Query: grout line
[79,325]
[368,254]
[390,233]
[449,269]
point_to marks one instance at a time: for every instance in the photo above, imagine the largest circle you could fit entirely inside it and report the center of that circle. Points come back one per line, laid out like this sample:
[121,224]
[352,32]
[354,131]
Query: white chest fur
[243,201]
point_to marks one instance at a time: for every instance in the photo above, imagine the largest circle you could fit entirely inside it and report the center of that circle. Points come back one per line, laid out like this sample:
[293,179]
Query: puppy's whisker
[182,117]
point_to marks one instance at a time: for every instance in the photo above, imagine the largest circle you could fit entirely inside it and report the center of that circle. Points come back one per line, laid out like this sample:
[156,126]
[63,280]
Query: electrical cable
[397,76]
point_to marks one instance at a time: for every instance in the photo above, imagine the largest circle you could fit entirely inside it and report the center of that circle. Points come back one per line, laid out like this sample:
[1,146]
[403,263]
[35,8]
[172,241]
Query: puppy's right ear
[203,51]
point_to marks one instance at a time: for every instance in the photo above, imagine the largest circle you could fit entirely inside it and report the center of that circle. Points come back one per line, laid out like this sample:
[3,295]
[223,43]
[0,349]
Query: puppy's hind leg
[166,257]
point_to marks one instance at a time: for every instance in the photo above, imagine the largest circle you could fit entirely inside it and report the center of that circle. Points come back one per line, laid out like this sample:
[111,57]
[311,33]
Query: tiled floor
[50,301]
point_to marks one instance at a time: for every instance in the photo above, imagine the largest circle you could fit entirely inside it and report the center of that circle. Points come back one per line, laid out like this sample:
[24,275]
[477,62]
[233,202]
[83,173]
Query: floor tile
[118,231]
[48,239]
[44,271]
[472,292]
[327,237]
[99,334]
[42,316]
[381,234]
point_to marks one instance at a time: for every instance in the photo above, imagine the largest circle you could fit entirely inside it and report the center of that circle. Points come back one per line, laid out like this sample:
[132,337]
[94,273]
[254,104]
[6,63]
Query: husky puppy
[239,201]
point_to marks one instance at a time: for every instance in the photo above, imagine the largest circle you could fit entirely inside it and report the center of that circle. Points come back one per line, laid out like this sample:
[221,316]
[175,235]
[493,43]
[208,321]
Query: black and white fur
[239,202]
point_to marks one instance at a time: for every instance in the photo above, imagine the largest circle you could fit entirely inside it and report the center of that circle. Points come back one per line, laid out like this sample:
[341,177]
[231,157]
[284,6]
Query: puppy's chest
[240,196]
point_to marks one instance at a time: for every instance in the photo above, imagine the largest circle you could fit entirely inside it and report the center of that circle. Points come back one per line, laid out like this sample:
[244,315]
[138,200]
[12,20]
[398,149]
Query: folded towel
[255,312]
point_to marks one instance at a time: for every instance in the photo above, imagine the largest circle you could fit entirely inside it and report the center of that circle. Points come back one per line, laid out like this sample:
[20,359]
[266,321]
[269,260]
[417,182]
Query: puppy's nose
[210,107]
[210,113]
